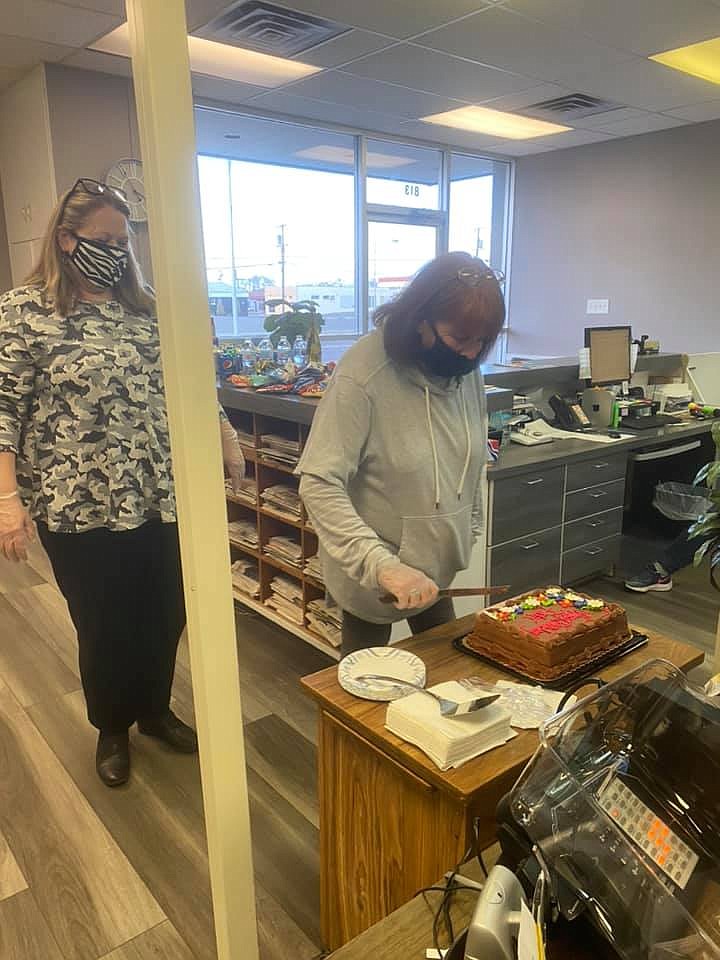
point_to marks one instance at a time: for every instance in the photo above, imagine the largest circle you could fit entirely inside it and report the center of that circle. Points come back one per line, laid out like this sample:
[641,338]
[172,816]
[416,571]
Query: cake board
[634,642]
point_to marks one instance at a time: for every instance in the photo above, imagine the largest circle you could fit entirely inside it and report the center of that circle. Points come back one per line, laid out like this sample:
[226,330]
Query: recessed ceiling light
[495,123]
[346,155]
[221,60]
[699,59]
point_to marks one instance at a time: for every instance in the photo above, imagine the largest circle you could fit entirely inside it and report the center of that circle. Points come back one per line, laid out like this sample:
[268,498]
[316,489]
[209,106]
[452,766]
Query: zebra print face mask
[100,263]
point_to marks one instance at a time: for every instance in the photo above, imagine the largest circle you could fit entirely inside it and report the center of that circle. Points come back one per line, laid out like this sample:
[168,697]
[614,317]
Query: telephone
[569,415]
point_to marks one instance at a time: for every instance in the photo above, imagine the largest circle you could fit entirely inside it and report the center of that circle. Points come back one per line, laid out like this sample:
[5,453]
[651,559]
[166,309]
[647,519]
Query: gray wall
[634,220]
[5,272]
[93,125]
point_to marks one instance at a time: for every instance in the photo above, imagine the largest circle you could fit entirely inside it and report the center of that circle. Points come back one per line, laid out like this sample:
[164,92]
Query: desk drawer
[527,503]
[524,564]
[584,503]
[592,558]
[590,472]
[589,529]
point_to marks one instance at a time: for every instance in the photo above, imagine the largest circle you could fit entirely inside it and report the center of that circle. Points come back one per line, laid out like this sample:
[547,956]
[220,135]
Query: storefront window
[400,175]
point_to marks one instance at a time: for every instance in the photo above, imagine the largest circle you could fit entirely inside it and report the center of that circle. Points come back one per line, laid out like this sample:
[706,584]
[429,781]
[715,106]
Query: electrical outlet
[598,306]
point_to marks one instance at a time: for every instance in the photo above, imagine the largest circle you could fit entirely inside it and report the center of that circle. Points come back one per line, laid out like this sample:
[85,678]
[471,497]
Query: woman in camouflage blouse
[85,455]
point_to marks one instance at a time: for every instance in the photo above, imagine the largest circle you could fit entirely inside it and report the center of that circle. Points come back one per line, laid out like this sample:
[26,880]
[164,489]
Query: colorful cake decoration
[531,604]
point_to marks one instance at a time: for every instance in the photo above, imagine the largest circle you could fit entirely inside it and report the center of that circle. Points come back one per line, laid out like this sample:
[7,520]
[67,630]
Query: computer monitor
[609,354]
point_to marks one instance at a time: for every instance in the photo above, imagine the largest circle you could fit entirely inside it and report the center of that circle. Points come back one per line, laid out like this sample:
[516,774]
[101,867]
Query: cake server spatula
[459,592]
[448,708]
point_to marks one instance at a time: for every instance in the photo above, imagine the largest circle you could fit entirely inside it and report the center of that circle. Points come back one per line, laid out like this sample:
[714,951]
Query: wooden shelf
[234,498]
[288,625]
[275,466]
[276,515]
[248,550]
[250,453]
[318,584]
[288,568]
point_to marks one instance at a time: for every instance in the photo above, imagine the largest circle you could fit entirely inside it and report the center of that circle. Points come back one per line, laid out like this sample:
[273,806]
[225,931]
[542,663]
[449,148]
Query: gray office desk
[556,512]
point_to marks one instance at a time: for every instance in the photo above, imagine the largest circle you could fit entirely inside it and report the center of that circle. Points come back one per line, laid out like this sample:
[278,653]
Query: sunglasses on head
[93,188]
[473,276]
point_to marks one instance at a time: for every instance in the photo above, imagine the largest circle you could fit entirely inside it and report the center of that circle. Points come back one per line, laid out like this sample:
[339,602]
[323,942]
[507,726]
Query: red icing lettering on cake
[555,620]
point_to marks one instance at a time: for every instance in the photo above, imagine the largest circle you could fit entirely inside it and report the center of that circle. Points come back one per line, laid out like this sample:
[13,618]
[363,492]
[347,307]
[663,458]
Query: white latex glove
[411,587]
[232,454]
[17,530]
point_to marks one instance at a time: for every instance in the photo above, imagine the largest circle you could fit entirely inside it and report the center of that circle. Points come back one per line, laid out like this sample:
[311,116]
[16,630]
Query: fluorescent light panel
[495,123]
[221,60]
[346,155]
[699,59]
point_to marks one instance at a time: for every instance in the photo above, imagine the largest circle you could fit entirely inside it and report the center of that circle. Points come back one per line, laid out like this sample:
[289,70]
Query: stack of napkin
[451,741]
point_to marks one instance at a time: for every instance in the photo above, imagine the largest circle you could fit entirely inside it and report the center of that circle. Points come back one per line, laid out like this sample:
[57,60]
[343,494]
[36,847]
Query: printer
[618,813]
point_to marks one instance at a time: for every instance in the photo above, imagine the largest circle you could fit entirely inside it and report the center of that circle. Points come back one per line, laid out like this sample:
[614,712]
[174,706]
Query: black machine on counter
[618,814]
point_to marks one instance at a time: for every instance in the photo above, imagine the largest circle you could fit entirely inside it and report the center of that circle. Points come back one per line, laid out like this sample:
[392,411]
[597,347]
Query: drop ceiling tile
[645,124]
[54,22]
[335,86]
[348,46]
[601,120]
[640,26]
[645,84]
[296,106]
[19,53]
[396,18]
[103,62]
[115,8]
[200,12]
[698,112]
[215,88]
[512,42]
[458,139]
[424,69]
[558,141]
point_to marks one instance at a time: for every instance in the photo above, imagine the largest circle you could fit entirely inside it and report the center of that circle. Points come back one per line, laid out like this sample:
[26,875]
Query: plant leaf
[702,474]
[702,551]
[715,566]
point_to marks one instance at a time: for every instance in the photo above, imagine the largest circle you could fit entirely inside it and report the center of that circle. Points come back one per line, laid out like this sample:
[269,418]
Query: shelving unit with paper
[284,540]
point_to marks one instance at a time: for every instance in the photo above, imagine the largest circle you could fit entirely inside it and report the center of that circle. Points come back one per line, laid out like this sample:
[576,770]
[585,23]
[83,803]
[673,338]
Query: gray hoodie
[392,469]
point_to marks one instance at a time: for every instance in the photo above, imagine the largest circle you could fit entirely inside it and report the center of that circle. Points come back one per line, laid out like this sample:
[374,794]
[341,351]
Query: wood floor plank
[12,880]
[285,760]
[45,609]
[17,576]
[40,562]
[161,943]
[86,889]
[153,819]
[279,937]
[285,855]
[24,934]
[29,667]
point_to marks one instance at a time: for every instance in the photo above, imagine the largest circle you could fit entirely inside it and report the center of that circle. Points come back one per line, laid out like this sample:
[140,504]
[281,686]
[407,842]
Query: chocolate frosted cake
[548,633]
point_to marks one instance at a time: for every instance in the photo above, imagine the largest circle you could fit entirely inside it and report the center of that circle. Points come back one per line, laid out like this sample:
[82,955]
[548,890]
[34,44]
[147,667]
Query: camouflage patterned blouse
[82,406]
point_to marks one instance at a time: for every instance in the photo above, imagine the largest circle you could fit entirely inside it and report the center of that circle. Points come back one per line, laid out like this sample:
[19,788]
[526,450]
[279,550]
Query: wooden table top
[443,662]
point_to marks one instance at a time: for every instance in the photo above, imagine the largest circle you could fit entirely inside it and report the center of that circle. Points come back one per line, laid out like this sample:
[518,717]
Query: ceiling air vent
[574,106]
[255,25]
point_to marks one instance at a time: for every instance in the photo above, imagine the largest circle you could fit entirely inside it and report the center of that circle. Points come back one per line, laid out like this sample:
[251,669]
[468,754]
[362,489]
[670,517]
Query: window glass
[400,175]
[478,192]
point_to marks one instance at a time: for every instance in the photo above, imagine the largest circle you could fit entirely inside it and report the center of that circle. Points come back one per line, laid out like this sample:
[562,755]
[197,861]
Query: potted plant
[708,526]
[299,319]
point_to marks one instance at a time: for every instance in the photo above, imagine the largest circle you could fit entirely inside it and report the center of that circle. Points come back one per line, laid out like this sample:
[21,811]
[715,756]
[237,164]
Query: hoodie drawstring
[434,449]
[468,440]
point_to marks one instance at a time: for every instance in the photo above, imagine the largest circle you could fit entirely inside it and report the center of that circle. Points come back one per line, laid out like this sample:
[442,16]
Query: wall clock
[127,175]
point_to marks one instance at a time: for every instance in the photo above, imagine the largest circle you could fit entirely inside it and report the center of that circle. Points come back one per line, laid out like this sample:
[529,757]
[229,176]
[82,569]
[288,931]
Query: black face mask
[442,361]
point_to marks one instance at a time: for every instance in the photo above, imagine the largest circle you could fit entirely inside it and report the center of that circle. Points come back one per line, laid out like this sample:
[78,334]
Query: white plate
[388,661]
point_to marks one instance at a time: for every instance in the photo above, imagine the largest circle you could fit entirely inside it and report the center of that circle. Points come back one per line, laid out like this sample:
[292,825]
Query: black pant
[125,595]
[358,634]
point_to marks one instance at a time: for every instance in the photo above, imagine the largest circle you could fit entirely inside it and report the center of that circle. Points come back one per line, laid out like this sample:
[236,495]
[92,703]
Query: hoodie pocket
[440,546]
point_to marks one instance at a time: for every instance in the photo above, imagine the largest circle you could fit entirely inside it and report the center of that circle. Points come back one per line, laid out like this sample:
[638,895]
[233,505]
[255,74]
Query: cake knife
[458,592]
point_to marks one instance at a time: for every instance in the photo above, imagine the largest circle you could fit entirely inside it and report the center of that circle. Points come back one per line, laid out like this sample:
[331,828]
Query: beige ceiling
[404,59]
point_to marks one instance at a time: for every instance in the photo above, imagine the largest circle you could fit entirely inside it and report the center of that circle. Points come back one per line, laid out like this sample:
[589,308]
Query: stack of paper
[313,568]
[245,438]
[285,549]
[247,491]
[280,449]
[245,577]
[286,598]
[449,742]
[243,533]
[325,621]
[282,498]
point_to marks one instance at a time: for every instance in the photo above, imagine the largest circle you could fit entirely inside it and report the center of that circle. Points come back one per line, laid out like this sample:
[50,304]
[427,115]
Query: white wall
[634,220]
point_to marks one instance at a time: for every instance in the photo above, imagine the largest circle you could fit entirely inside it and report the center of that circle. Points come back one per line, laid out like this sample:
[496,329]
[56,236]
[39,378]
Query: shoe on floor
[171,730]
[112,758]
[653,577]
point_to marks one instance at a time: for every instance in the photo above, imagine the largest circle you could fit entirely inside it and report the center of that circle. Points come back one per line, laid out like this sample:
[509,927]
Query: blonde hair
[53,273]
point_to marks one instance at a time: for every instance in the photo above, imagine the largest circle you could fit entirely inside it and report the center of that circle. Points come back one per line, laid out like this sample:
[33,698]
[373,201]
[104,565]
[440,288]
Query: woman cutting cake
[391,474]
